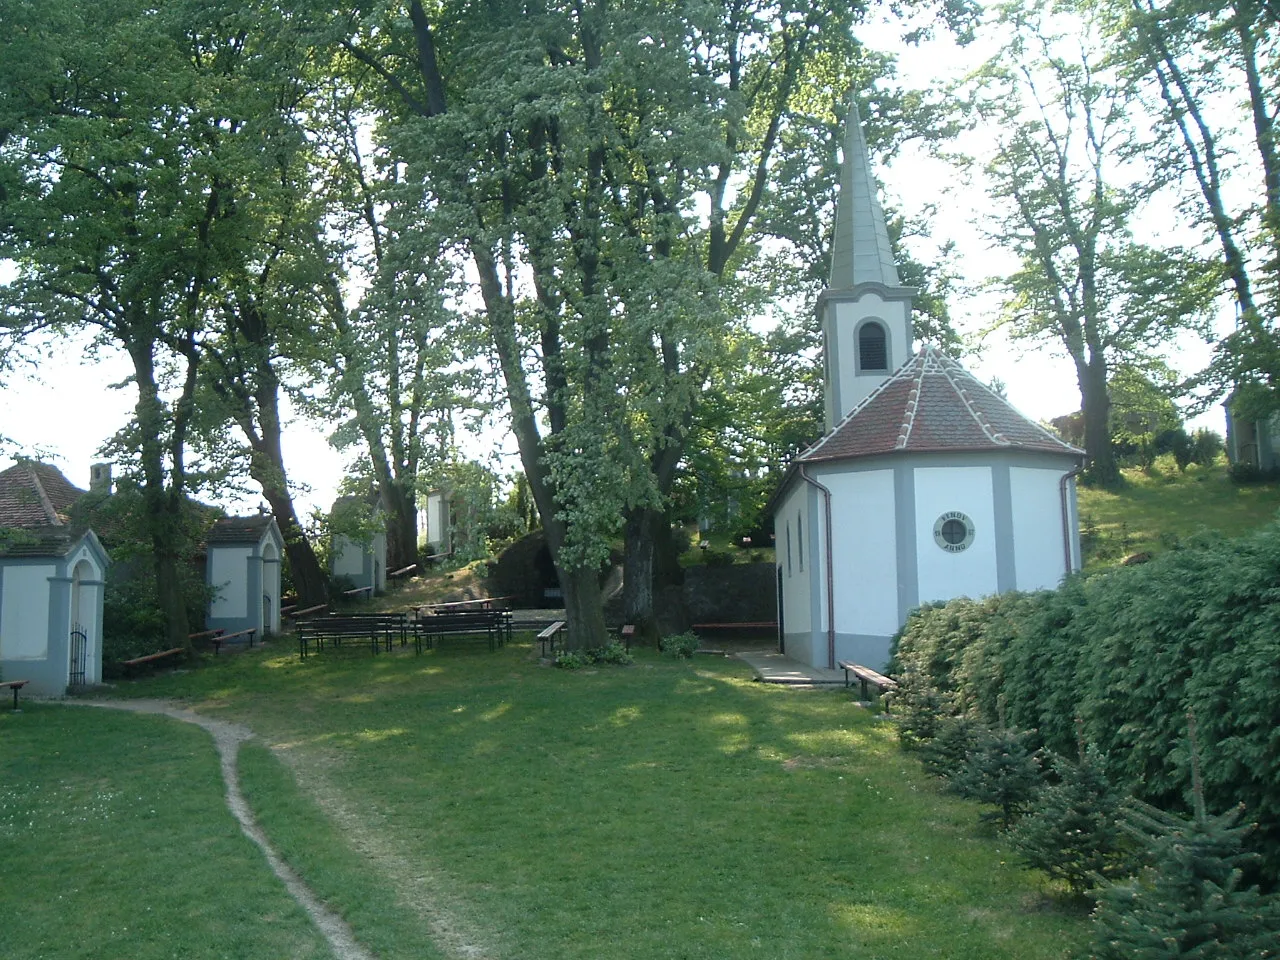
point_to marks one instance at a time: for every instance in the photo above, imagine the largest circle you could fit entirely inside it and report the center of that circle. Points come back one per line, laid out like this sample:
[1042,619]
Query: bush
[1206,447]
[614,653]
[682,646]
[1129,651]
[919,710]
[1073,832]
[945,755]
[1191,901]
[715,557]
[1001,770]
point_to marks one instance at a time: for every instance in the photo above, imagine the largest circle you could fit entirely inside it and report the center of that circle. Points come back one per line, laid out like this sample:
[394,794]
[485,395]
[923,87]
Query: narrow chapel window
[800,540]
[788,549]
[873,348]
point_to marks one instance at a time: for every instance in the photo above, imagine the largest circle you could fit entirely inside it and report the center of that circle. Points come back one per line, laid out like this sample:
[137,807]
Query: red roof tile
[932,404]
[35,495]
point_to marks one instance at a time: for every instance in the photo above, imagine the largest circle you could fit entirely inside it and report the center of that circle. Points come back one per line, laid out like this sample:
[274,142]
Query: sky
[65,410]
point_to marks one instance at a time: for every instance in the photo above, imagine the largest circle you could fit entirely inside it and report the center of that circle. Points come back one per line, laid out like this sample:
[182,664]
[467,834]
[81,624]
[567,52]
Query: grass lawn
[1154,509]
[115,842]
[469,803]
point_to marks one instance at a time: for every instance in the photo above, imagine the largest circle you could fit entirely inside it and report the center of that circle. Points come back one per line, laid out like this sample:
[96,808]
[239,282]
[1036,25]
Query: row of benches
[382,630]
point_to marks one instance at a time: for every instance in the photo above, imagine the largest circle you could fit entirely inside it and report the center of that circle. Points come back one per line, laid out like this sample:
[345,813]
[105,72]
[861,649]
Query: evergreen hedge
[1130,651]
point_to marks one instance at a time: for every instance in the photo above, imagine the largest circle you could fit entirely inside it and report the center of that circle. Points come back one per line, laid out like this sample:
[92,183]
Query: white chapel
[925,486]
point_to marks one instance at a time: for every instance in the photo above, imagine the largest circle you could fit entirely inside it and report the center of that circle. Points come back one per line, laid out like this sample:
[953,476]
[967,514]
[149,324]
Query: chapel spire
[860,251]
[865,311]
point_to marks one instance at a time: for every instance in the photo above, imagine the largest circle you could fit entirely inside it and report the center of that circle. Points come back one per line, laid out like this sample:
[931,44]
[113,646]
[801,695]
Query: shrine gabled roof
[931,404]
[34,495]
[35,511]
[239,529]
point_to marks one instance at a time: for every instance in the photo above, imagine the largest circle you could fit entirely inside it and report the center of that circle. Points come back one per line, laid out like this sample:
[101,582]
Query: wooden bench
[494,624]
[547,638]
[150,658]
[15,686]
[402,571]
[380,629]
[625,634]
[744,625]
[359,592]
[205,635]
[868,678]
[240,636]
[296,614]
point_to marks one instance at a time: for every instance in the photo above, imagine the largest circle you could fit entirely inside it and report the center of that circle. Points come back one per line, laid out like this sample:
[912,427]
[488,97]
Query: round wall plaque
[953,531]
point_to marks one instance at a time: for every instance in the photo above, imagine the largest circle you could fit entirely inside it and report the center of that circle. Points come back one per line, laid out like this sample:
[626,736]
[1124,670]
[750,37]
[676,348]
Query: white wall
[349,557]
[843,359]
[1037,527]
[87,555]
[24,612]
[228,567]
[972,572]
[795,584]
[437,521]
[864,551]
[380,563]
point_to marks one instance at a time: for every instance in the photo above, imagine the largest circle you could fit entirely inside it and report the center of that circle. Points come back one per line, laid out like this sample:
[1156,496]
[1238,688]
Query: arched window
[873,348]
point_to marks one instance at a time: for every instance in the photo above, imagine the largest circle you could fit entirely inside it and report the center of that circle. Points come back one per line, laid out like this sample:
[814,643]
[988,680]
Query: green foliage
[1072,828]
[1001,769]
[1066,199]
[570,659]
[682,646]
[610,653]
[133,620]
[1207,446]
[946,753]
[918,709]
[1191,901]
[1128,651]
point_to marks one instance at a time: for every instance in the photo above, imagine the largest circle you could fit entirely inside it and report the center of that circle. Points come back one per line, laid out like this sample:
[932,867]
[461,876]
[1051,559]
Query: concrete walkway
[773,667]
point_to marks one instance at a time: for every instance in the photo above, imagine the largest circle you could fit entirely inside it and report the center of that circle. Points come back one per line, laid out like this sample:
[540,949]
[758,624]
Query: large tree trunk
[1100,461]
[266,466]
[649,562]
[402,523]
[163,507]
[309,580]
[637,573]
[583,608]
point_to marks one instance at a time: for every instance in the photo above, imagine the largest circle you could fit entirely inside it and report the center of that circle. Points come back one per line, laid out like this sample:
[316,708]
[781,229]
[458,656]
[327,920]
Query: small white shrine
[52,582]
[242,567]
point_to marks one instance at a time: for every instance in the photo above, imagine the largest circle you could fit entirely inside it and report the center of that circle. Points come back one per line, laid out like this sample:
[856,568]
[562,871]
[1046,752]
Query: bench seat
[150,658]
[868,678]
[547,638]
[240,636]
[15,686]
[380,629]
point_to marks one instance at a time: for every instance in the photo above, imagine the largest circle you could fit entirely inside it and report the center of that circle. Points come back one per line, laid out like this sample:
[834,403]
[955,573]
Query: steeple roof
[860,251]
[933,405]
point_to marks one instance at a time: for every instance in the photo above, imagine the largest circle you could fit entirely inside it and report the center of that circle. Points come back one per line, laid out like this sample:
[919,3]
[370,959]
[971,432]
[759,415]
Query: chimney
[100,478]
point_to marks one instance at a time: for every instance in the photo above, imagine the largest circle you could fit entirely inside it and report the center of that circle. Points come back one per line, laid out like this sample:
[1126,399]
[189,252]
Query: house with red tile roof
[52,576]
[926,485]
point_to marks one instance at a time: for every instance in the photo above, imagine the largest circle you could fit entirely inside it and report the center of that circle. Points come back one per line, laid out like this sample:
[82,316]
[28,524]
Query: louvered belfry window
[873,348]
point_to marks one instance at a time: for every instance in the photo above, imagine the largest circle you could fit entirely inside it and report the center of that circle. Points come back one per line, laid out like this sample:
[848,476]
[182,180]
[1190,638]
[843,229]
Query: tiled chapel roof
[35,505]
[35,495]
[932,405]
[239,529]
